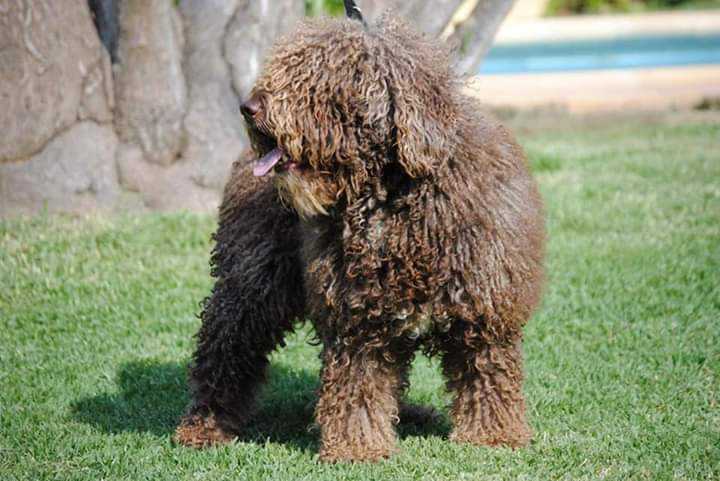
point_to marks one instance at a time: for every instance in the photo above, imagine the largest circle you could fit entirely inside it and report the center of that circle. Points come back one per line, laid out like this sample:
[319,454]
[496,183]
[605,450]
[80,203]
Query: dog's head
[341,111]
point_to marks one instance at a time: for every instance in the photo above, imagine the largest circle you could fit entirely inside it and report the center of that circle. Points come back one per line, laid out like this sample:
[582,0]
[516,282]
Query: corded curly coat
[388,210]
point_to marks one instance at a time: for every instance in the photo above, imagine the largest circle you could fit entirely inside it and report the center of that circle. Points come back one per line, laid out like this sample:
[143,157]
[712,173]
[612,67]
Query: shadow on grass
[152,396]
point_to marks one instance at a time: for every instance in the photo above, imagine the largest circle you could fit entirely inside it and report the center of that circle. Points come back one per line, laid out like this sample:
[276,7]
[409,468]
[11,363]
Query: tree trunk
[474,30]
[469,25]
[57,145]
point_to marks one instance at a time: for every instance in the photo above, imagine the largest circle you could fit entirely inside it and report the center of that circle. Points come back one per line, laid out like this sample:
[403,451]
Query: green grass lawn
[623,358]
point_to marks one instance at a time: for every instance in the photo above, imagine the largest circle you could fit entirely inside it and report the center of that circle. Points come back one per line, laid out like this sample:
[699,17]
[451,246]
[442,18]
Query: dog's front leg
[486,379]
[357,408]
[257,295]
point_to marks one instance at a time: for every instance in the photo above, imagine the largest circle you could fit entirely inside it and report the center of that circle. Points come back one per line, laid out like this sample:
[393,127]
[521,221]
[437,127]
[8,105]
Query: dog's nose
[250,107]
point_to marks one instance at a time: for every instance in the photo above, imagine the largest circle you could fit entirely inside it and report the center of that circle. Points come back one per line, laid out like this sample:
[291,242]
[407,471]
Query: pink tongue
[265,165]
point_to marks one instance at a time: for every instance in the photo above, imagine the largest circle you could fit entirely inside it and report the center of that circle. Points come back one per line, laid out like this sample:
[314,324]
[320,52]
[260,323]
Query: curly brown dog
[390,211]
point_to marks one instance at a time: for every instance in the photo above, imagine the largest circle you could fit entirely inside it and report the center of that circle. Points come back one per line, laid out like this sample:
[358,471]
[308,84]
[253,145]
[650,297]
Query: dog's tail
[353,11]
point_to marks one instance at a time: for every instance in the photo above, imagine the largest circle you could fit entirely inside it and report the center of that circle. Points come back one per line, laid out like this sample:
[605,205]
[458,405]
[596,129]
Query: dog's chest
[328,288]
[321,256]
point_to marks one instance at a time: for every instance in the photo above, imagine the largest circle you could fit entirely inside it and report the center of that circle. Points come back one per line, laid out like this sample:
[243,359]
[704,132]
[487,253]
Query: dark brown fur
[411,222]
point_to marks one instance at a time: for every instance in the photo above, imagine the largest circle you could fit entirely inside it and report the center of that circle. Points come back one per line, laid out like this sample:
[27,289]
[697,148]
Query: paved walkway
[607,26]
[604,90]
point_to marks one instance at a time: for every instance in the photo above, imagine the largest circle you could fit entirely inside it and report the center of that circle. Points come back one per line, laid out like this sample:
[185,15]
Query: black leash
[353,11]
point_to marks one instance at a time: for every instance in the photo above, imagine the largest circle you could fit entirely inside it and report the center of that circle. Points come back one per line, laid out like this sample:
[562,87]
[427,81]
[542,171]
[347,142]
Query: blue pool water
[617,53]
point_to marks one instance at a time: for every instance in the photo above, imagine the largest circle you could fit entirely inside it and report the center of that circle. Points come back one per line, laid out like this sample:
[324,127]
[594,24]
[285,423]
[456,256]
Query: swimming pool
[615,53]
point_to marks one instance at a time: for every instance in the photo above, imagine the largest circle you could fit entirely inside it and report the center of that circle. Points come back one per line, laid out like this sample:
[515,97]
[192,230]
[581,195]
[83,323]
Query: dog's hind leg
[486,379]
[257,295]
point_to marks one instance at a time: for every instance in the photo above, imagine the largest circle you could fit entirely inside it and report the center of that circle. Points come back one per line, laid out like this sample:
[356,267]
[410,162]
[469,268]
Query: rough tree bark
[159,130]
[150,90]
[57,145]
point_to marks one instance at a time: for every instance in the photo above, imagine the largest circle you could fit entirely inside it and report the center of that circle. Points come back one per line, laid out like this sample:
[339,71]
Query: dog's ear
[423,114]
[422,139]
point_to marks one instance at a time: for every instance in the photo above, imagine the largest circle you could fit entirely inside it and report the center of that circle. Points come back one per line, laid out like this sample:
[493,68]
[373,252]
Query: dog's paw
[510,438]
[354,454]
[198,431]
